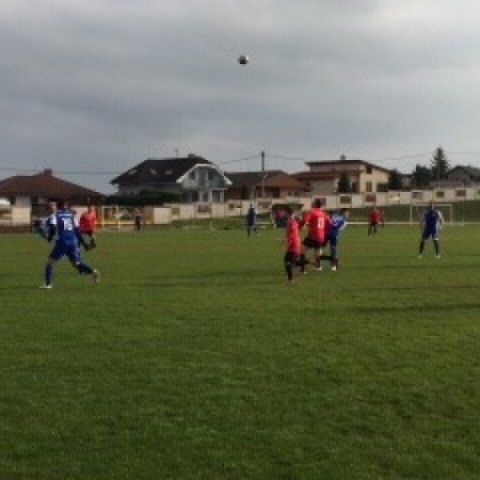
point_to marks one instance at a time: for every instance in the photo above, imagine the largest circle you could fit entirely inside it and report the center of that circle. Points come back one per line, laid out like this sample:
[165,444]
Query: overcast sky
[100,85]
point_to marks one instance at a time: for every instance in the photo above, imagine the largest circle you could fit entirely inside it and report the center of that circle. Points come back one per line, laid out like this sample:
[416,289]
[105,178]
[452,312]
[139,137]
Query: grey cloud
[106,83]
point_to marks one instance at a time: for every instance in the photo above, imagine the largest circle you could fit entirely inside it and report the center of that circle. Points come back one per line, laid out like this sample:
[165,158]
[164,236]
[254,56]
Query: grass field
[194,360]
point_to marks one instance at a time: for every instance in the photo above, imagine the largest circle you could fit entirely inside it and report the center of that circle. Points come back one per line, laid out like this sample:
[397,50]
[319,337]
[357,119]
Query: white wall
[21,215]
[162,215]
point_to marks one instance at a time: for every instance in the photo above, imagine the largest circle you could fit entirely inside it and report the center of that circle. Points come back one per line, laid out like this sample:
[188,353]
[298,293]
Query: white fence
[119,216]
[12,216]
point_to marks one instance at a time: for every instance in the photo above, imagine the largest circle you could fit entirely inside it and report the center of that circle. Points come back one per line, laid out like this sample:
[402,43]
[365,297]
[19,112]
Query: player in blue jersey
[63,225]
[251,220]
[41,225]
[431,224]
[338,223]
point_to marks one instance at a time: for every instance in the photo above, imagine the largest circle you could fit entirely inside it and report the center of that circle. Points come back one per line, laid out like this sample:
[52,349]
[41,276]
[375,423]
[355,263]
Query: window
[417,196]
[192,175]
[369,170]
[202,208]
[440,194]
[368,187]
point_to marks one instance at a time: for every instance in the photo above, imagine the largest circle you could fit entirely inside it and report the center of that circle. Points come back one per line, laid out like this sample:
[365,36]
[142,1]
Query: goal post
[115,217]
[417,209]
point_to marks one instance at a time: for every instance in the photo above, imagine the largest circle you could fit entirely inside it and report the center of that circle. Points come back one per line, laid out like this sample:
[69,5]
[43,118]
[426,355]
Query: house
[323,176]
[192,178]
[267,184]
[36,190]
[464,175]
[406,180]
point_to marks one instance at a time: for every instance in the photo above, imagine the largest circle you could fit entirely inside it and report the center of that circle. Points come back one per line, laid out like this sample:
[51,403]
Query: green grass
[466,211]
[194,360]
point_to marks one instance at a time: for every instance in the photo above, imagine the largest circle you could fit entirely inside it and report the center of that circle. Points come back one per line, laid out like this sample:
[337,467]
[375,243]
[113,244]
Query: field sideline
[194,360]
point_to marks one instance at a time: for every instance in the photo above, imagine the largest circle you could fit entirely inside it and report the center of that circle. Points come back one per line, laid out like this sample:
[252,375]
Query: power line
[403,157]
[285,157]
[271,156]
[244,159]
[464,153]
[381,160]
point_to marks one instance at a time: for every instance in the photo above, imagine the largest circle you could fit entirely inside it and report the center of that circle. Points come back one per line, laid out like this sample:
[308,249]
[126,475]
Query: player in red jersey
[374,217]
[292,244]
[88,223]
[318,222]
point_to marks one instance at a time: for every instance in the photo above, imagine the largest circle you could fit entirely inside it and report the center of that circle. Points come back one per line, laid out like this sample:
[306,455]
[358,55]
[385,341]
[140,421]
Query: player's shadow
[17,288]
[454,307]
[412,288]
[208,279]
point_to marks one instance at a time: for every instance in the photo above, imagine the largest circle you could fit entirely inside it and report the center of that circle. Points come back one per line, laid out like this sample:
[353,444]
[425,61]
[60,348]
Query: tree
[344,183]
[421,176]
[439,165]
[395,180]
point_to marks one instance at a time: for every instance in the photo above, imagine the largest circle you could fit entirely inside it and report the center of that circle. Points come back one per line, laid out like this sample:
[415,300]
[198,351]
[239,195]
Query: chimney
[48,171]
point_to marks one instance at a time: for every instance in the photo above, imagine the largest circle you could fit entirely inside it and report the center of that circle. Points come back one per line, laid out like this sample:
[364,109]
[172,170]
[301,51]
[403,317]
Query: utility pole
[263,173]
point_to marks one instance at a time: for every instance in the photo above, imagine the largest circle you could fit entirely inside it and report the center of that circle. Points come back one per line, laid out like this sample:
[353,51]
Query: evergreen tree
[395,180]
[439,165]
[344,183]
[422,176]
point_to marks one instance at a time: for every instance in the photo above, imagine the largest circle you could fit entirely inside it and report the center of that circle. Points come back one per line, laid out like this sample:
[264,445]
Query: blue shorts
[71,250]
[332,240]
[430,233]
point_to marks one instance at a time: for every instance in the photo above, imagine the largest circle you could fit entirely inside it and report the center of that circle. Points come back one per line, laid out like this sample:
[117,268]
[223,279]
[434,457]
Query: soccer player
[251,220]
[63,225]
[41,226]
[338,223]
[292,244]
[138,219]
[374,216]
[318,222]
[88,222]
[431,224]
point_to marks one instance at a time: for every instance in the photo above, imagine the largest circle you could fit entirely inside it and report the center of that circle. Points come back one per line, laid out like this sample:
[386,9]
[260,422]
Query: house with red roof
[266,184]
[37,190]
[324,175]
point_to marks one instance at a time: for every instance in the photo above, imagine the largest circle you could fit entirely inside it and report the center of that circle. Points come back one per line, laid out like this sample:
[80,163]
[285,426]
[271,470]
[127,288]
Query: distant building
[192,178]
[407,180]
[36,190]
[464,175]
[323,176]
[268,184]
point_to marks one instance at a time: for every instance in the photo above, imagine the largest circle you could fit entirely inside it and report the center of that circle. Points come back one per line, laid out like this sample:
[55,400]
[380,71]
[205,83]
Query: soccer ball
[242,59]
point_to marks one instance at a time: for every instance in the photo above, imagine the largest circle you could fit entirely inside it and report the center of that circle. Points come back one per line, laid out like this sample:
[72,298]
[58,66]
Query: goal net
[417,209]
[115,217]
